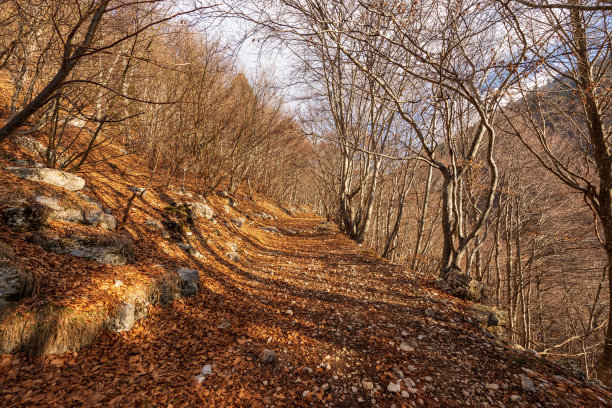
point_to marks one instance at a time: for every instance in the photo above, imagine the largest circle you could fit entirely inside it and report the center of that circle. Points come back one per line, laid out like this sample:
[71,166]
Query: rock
[114,250]
[189,281]
[124,318]
[289,312]
[325,387]
[462,286]
[573,368]
[404,346]
[109,222]
[272,230]
[515,398]
[137,190]
[405,394]
[49,176]
[268,356]
[398,373]
[10,282]
[154,224]
[428,379]
[233,256]
[26,217]
[202,210]
[367,385]
[206,370]
[412,368]
[58,211]
[93,216]
[29,143]
[527,384]
[199,379]
[492,321]
[492,387]
[393,387]
[238,222]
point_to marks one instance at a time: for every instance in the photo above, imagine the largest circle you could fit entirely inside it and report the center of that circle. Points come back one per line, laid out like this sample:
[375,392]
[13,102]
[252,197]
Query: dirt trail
[340,321]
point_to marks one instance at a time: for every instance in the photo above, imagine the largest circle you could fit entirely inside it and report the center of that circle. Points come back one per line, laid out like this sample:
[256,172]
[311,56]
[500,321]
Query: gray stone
[527,384]
[492,320]
[202,210]
[124,318]
[154,224]
[268,356]
[189,281]
[206,370]
[462,286]
[93,216]
[272,230]
[109,222]
[29,143]
[115,250]
[26,217]
[10,282]
[49,176]
[516,398]
[239,222]
[393,387]
[137,190]
[233,256]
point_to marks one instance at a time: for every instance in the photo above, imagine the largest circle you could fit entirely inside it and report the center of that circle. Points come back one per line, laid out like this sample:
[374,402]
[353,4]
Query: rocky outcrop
[123,319]
[202,210]
[26,217]
[189,281]
[462,286]
[10,282]
[49,176]
[92,215]
[113,250]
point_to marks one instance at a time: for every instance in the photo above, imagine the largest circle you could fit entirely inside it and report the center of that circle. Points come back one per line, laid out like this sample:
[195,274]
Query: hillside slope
[288,312]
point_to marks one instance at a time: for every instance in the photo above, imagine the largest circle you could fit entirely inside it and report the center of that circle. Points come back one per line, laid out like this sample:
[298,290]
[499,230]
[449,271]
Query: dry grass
[49,330]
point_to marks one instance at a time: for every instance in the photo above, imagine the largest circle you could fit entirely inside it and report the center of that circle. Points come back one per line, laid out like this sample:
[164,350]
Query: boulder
[10,282]
[49,176]
[189,281]
[123,319]
[26,217]
[233,256]
[29,143]
[109,222]
[116,250]
[59,211]
[202,210]
[462,286]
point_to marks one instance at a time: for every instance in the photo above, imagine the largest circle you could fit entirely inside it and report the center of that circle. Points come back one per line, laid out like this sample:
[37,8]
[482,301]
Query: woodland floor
[349,313]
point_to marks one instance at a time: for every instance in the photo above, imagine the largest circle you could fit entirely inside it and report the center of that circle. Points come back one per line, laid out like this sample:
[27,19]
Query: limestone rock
[268,356]
[462,286]
[49,176]
[10,282]
[115,250]
[124,318]
[202,210]
[26,217]
[239,222]
[189,281]
[233,256]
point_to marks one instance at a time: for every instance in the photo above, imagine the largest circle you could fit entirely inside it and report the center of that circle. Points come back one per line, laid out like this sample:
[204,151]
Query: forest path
[345,327]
